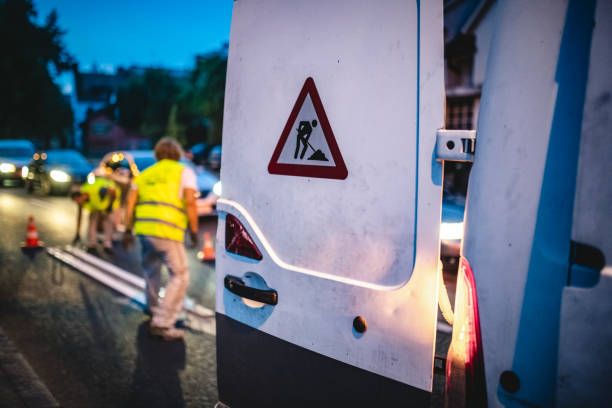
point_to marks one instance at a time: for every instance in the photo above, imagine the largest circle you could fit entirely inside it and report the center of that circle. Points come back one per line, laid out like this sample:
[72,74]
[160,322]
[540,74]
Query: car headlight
[91,178]
[59,176]
[217,188]
[24,172]
[451,230]
[7,168]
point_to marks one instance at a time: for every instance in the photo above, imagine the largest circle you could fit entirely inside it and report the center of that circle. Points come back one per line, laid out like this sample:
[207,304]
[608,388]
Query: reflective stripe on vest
[159,211]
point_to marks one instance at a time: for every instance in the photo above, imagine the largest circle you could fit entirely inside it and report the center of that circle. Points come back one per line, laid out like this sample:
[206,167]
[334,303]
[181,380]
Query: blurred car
[142,158]
[54,171]
[124,166]
[451,232]
[214,158]
[14,156]
[199,153]
[209,187]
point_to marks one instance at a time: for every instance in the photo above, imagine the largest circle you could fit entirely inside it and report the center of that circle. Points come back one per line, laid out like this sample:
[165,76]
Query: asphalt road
[89,345]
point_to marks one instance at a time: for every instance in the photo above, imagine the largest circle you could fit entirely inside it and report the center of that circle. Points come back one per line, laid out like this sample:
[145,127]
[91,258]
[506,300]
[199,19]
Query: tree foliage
[187,106]
[145,101]
[32,105]
[206,91]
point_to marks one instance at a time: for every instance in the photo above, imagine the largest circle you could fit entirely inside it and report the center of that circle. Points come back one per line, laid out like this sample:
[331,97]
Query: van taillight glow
[464,364]
[238,240]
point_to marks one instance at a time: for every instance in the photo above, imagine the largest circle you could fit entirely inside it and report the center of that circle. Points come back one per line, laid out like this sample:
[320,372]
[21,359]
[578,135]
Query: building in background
[93,98]
[102,134]
[468,28]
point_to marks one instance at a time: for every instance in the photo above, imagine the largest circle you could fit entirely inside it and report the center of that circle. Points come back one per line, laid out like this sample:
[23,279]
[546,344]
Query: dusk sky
[162,33]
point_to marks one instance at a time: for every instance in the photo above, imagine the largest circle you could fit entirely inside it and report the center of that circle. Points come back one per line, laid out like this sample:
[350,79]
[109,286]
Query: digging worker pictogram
[161,204]
[304,131]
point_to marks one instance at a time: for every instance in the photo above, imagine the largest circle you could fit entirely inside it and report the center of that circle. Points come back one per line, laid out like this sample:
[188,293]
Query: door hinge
[455,145]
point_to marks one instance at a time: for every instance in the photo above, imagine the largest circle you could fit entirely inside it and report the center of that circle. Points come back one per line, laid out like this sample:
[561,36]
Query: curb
[22,379]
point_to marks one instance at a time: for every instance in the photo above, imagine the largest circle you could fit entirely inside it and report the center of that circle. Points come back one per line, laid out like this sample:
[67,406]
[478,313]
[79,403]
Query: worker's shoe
[167,333]
[109,251]
[92,250]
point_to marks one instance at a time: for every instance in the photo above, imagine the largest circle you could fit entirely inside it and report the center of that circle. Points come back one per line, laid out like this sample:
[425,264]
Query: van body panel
[296,385]
[521,217]
[336,249]
[366,79]
[585,360]
[515,120]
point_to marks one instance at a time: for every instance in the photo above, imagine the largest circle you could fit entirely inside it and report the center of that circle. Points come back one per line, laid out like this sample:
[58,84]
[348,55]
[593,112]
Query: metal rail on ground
[199,318]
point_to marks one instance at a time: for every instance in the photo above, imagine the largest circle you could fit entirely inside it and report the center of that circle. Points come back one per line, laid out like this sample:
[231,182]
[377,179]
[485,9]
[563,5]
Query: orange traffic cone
[31,241]
[208,250]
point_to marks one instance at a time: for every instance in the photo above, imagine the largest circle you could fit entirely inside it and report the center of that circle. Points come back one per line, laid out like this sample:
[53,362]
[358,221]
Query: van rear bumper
[256,369]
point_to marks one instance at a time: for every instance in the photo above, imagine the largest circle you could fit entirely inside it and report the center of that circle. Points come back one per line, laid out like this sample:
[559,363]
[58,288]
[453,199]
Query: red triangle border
[338,171]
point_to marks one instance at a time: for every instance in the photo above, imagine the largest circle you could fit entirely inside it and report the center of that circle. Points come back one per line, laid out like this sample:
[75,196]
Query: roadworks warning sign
[307,146]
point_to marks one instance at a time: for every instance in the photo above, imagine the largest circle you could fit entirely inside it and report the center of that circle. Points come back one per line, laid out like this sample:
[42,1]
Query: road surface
[88,344]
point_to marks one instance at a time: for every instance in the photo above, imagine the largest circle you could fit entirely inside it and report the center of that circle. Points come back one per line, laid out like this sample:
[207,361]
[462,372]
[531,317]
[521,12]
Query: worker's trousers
[155,252]
[92,230]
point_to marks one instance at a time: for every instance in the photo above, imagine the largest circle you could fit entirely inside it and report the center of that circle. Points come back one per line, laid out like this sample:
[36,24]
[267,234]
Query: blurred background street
[90,87]
[88,344]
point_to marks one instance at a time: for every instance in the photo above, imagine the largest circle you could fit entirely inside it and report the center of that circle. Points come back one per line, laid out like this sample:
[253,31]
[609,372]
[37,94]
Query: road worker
[100,198]
[161,205]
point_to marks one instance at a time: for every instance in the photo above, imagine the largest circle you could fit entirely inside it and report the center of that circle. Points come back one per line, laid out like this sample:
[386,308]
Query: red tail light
[465,380]
[238,240]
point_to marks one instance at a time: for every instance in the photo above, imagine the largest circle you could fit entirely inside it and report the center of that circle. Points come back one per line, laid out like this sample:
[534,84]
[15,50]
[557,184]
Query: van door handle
[238,287]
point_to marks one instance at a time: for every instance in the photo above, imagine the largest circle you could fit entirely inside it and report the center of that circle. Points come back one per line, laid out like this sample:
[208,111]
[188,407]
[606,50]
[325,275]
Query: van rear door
[539,206]
[327,287]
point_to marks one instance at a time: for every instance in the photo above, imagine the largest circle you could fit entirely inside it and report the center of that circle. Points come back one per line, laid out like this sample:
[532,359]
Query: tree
[206,92]
[145,102]
[188,107]
[32,105]
[174,128]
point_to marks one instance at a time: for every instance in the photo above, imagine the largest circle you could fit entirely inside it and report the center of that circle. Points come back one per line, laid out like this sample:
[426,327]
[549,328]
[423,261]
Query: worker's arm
[112,195]
[132,198]
[77,236]
[130,205]
[192,214]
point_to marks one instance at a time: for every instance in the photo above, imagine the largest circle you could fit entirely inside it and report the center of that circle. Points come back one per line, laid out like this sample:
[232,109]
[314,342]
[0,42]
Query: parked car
[214,158]
[199,153]
[142,158]
[14,156]
[209,187]
[55,171]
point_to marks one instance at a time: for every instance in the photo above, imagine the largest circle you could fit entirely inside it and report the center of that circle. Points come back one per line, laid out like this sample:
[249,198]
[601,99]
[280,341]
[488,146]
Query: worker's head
[79,197]
[168,148]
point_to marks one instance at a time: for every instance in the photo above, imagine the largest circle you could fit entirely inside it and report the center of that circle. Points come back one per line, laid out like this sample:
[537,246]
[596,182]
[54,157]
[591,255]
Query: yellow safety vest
[95,202]
[159,210]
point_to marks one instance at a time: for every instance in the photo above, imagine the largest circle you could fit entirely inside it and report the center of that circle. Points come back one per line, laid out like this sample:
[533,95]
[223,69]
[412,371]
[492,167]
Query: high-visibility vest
[95,202]
[159,210]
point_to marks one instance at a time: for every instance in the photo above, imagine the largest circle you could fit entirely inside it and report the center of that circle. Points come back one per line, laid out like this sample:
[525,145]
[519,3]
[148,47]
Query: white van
[534,292]
[330,215]
[327,287]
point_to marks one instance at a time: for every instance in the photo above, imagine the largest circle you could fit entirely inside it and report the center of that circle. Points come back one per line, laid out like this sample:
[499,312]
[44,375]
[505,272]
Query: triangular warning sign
[307,147]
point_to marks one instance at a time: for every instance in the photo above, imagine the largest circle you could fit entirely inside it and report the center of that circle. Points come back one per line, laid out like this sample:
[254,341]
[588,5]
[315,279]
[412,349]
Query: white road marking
[107,267]
[189,305]
[40,203]
[199,317]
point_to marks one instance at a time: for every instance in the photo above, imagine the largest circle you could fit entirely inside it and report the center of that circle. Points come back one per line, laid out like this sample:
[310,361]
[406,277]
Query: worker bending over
[161,204]
[100,198]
